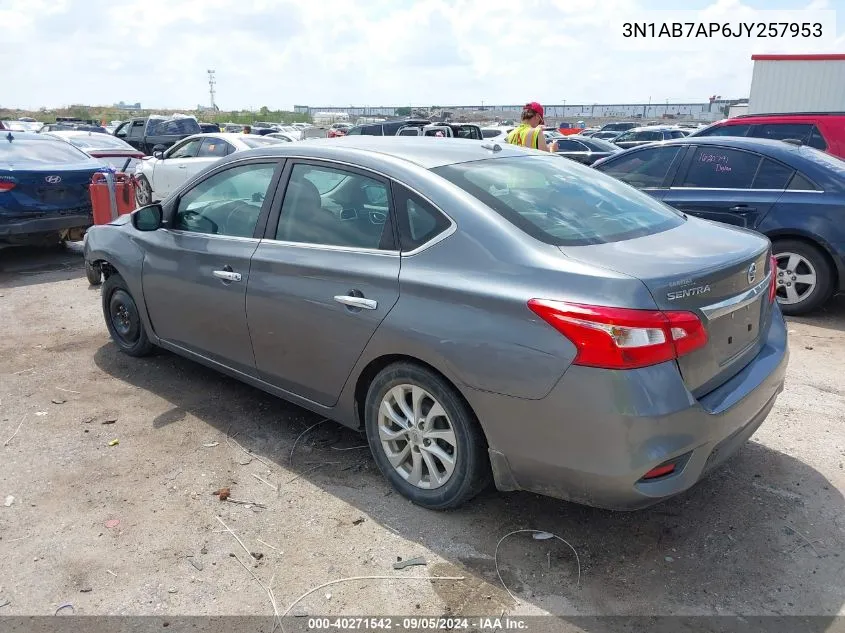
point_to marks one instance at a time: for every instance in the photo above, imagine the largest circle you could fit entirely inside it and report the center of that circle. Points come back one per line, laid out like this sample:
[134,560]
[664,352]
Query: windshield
[259,141]
[42,151]
[560,203]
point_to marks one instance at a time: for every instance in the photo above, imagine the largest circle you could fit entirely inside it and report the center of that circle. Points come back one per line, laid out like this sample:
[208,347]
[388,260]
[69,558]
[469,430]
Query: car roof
[425,152]
[29,136]
[769,146]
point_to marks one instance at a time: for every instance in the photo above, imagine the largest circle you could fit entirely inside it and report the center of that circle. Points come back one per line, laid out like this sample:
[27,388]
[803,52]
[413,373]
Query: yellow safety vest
[525,135]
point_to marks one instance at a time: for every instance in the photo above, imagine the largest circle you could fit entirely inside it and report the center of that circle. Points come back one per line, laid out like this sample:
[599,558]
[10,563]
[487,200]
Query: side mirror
[148,218]
[158,147]
[158,154]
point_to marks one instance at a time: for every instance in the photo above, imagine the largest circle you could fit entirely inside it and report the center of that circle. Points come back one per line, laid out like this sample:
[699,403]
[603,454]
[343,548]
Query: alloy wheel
[417,436]
[796,278]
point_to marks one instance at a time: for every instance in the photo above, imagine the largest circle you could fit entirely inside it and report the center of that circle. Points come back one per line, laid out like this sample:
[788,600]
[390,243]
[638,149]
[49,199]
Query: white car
[162,173]
[109,149]
[285,137]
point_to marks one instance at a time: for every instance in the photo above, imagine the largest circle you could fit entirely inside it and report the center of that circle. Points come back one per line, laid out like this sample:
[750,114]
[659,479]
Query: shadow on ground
[763,535]
[29,265]
[831,316]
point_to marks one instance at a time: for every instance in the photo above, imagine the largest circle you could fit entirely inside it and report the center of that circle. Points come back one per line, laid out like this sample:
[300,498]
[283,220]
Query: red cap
[534,107]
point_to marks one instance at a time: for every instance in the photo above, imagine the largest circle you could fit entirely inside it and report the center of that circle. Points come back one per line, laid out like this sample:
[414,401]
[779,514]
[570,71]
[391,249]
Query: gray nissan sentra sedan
[480,311]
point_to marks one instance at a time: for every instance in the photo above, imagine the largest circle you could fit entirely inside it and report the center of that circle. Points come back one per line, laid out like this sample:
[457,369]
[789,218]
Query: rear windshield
[98,141]
[39,151]
[258,141]
[560,203]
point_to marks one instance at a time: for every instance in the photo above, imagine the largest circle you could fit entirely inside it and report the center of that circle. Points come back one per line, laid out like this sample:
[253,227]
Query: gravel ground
[133,528]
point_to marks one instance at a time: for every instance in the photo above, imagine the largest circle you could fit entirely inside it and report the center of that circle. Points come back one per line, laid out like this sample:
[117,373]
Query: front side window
[188,149]
[649,135]
[551,200]
[334,207]
[228,203]
[214,148]
[643,169]
[721,168]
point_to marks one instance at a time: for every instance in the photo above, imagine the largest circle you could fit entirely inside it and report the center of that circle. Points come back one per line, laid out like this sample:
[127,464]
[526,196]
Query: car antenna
[493,147]
[9,137]
[793,141]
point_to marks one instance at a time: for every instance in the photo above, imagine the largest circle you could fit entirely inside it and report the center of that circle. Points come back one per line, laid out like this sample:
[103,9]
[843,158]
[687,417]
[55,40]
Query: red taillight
[7,185]
[622,338]
[773,282]
[660,471]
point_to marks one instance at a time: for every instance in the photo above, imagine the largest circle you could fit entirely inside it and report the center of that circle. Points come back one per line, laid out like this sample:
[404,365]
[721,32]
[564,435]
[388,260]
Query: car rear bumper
[44,224]
[598,432]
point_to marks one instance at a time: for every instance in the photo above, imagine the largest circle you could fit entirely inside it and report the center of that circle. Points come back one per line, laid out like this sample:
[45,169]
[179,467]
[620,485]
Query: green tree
[264,111]
[403,111]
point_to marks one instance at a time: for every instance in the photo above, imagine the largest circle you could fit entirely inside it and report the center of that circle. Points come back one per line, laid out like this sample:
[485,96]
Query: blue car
[793,194]
[44,195]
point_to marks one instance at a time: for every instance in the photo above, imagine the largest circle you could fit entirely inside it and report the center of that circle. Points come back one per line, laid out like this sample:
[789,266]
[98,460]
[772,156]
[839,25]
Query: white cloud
[338,52]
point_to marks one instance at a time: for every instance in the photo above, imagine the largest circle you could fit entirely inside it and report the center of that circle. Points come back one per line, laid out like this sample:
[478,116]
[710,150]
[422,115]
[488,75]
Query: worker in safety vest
[530,132]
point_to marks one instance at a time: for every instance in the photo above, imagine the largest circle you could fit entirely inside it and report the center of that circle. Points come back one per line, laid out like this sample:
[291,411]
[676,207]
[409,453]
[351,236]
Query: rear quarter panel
[812,217]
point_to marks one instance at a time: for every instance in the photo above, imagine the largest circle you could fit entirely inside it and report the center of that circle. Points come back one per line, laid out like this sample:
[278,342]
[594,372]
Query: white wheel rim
[417,436]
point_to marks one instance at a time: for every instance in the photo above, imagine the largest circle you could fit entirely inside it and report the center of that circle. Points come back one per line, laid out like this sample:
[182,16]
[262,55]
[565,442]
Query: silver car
[482,312]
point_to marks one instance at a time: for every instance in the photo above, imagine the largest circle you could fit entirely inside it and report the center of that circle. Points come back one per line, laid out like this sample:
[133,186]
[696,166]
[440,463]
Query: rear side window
[721,168]
[419,222]
[568,145]
[490,133]
[781,131]
[726,130]
[551,200]
[800,182]
[772,175]
[355,131]
[817,140]
[643,169]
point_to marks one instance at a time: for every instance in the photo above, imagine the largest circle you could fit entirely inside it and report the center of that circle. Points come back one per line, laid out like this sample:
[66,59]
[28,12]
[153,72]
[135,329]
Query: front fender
[117,245]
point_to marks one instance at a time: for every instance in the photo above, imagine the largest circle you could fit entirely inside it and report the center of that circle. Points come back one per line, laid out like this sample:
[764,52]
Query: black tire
[824,276]
[93,274]
[123,319]
[144,192]
[471,472]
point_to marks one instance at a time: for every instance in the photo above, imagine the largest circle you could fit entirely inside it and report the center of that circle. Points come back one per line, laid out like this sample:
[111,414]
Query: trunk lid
[47,190]
[719,273]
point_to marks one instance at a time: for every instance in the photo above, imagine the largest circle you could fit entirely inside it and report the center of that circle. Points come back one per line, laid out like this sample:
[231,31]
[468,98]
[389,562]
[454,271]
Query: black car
[619,126]
[649,134]
[584,149]
[210,128]
[386,128]
[792,193]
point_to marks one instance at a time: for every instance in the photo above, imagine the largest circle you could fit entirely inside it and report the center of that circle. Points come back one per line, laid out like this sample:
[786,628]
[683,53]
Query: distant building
[128,106]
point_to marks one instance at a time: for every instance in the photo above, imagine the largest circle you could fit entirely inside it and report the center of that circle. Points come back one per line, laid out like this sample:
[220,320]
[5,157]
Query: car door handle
[182,166]
[227,275]
[741,208]
[356,302]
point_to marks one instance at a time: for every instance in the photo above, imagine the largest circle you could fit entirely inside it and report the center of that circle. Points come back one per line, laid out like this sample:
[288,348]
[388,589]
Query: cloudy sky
[381,52]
